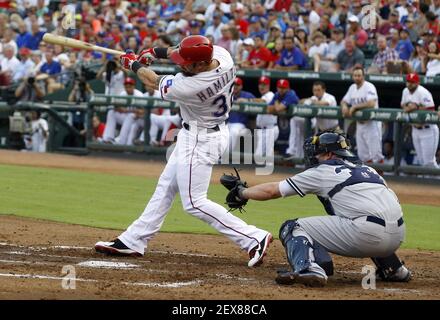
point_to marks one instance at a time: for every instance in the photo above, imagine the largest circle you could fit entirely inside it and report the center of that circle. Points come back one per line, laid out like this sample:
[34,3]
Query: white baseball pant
[266,138]
[425,143]
[369,141]
[188,172]
[114,118]
[236,130]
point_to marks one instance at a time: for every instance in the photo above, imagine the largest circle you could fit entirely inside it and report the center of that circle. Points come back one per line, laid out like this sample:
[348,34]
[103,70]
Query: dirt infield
[177,266]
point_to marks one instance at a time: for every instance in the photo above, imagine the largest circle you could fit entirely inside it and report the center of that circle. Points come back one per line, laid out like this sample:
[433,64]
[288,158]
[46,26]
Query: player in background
[37,140]
[365,217]
[118,116]
[362,95]
[322,98]
[279,104]
[160,119]
[238,121]
[267,124]
[425,136]
[203,90]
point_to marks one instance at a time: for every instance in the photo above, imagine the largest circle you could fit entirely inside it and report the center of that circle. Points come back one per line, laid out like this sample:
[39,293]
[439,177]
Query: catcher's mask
[323,143]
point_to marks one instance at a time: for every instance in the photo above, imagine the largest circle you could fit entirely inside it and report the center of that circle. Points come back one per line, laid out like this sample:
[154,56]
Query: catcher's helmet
[326,142]
[192,49]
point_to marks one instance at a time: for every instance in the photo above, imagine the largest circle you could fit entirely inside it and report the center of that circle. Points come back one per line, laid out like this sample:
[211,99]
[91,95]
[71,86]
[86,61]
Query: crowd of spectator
[386,36]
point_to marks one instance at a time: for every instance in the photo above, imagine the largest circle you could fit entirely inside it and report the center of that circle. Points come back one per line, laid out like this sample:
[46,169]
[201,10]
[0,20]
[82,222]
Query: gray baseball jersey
[205,97]
[353,190]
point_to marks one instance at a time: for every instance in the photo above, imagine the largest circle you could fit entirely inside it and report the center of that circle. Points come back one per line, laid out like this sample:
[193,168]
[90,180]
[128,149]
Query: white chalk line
[145,284]
[165,285]
[33,248]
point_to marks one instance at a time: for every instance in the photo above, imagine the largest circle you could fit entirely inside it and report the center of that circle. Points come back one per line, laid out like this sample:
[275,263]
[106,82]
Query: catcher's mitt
[235,185]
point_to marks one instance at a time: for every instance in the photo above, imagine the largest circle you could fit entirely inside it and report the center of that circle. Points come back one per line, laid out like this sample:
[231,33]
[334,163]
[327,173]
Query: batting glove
[128,59]
[147,56]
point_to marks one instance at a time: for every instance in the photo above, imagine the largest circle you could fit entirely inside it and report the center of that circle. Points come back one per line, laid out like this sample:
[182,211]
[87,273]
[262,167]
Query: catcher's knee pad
[286,229]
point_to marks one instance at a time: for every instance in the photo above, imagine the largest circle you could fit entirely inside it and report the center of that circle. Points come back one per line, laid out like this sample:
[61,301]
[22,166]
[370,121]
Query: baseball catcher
[365,217]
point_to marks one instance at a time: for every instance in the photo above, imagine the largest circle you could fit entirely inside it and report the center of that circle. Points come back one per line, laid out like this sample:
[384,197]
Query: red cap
[129,81]
[264,80]
[238,81]
[283,83]
[413,77]
[24,51]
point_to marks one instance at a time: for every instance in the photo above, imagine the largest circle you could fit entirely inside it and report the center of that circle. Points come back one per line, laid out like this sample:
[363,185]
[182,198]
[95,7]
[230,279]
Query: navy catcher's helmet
[323,143]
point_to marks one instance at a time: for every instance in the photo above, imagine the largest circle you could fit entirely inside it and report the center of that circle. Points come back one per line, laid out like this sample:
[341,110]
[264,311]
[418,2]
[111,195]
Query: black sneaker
[115,248]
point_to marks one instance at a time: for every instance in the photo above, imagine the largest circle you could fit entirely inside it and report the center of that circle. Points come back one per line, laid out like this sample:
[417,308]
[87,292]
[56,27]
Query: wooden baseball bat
[73,43]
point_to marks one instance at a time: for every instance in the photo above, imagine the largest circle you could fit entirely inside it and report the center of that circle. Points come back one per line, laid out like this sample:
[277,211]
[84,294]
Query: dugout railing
[102,103]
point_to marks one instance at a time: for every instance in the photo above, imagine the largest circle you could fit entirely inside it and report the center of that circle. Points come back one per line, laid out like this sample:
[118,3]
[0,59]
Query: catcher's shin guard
[298,250]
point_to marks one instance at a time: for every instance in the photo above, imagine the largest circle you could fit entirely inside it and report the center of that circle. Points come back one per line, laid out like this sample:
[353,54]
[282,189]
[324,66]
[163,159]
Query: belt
[422,127]
[209,130]
[382,222]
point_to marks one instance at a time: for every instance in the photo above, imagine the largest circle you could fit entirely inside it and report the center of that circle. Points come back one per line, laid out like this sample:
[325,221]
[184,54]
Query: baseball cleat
[257,253]
[403,274]
[308,278]
[115,248]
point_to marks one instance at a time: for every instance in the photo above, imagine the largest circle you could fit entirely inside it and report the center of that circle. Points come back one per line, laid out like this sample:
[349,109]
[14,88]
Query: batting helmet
[192,49]
[326,142]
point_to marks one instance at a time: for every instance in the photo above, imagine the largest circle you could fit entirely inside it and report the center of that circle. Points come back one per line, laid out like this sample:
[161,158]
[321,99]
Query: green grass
[111,201]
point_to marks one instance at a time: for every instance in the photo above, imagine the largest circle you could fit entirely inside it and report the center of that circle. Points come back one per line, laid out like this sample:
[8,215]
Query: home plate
[107,264]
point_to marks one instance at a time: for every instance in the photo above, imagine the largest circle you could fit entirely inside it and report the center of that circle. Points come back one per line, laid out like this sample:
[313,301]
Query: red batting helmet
[192,49]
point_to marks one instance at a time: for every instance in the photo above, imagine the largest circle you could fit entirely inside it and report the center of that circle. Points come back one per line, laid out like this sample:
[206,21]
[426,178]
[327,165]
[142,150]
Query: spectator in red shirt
[98,128]
[241,23]
[393,23]
[432,22]
[281,5]
[259,57]
[355,30]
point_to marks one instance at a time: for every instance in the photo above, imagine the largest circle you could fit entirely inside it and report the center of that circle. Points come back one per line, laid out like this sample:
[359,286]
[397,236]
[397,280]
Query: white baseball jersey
[366,92]
[325,124]
[39,141]
[267,120]
[116,83]
[205,97]
[364,192]
[421,96]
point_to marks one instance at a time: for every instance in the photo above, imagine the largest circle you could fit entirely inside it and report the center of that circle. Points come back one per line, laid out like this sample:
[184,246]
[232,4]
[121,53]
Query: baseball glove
[235,186]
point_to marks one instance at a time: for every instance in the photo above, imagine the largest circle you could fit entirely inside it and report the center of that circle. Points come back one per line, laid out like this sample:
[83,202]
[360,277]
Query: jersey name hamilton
[204,98]
[217,86]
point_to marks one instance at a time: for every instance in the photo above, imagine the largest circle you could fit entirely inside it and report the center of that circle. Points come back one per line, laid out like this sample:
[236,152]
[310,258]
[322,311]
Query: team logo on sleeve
[167,85]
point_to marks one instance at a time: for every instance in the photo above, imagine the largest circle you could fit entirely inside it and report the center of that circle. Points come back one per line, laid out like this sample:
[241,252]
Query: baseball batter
[203,91]
[425,136]
[365,215]
[362,94]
